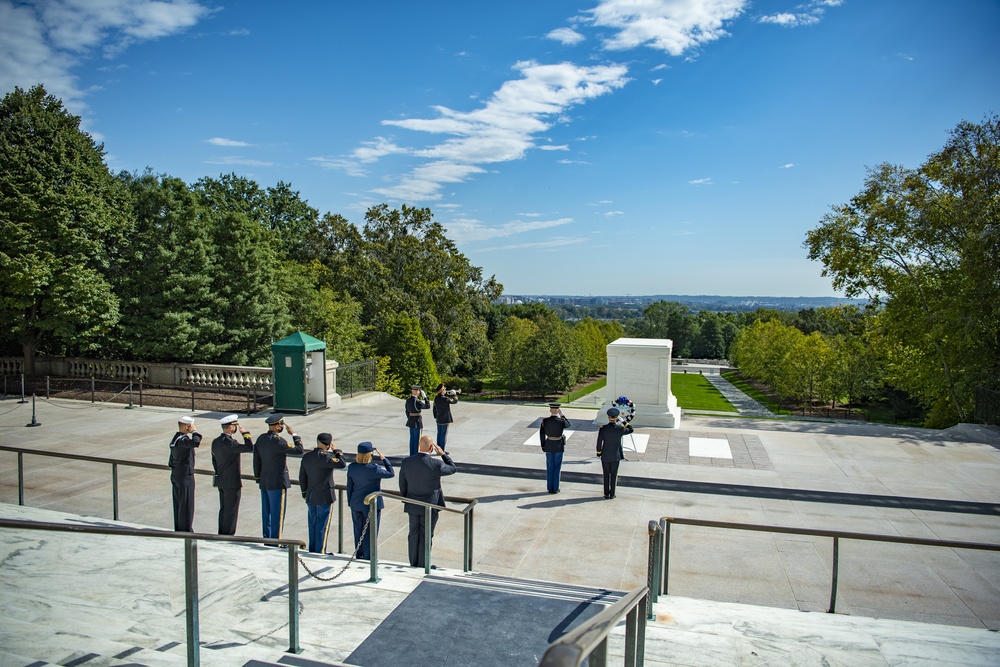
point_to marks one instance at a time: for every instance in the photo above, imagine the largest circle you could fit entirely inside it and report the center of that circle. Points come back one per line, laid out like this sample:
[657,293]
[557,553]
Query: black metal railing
[356,377]
[590,640]
[662,576]
[987,409]
[466,512]
[191,570]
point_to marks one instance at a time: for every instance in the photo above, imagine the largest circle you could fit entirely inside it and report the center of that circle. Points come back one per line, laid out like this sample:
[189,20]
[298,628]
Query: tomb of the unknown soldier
[769,525]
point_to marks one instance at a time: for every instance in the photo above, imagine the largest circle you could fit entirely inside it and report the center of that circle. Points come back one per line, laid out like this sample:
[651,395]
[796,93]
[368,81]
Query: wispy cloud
[809,13]
[233,159]
[567,36]
[701,181]
[551,243]
[673,26]
[790,165]
[44,40]
[232,143]
[465,229]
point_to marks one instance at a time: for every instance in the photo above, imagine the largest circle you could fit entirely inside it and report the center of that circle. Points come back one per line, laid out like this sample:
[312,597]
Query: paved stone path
[745,405]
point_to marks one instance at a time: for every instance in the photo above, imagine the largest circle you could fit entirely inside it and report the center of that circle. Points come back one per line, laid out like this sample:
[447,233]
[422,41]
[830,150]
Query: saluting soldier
[226,450]
[609,448]
[443,400]
[270,469]
[414,404]
[181,463]
[553,444]
[318,490]
[365,476]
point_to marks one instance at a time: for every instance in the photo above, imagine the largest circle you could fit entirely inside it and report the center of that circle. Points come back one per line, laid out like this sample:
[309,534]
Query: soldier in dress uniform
[443,400]
[414,404]
[553,444]
[609,448]
[270,469]
[181,463]
[318,490]
[226,450]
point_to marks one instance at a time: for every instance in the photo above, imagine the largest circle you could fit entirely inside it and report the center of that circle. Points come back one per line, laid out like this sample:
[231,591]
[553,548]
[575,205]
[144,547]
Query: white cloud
[219,141]
[552,243]
[567,36]
[810,13]
[790,165]
[502,130]
[463,230]
[673,26]
[233,159]
[701,181]
[42,41]
[554,148]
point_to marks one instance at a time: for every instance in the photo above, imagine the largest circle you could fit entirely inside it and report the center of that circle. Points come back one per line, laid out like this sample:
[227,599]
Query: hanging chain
[354,555]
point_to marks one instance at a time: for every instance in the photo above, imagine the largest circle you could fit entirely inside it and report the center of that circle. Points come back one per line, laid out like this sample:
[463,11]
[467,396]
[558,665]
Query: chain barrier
[354,555]
[85,407]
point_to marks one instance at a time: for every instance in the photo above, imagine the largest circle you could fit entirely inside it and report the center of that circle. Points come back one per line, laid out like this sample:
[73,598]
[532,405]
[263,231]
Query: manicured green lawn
[694,392]
[583,391]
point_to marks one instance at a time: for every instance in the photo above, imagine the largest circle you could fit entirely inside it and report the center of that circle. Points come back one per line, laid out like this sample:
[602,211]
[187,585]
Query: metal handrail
[114,463]
[590,639]
[466,512]
[191,569]
[837,535]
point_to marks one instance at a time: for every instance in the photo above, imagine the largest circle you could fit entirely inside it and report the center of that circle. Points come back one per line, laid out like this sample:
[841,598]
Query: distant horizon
[689,296]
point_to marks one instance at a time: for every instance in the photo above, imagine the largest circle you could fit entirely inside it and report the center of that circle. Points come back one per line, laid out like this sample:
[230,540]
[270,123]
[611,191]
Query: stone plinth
[639,368]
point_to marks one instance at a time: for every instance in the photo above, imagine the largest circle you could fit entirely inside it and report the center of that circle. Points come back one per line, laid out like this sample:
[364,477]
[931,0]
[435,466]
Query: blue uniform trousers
[553,466]
[319,527]
[414,440]
[272,511]
[442,434]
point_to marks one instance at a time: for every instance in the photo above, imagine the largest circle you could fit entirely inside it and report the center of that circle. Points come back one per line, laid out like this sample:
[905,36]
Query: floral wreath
[626,410]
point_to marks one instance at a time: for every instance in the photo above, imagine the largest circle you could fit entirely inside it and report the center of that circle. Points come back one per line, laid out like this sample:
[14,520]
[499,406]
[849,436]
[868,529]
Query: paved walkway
[791,471]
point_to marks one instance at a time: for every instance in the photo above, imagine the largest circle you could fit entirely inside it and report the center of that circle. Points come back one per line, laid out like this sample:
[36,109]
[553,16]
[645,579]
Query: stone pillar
[639,368]
[332,397]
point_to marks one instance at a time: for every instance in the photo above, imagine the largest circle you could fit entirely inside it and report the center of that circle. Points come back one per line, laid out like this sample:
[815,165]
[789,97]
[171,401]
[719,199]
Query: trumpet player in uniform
[553,444]
[270,469]
[414,404]
[226,450]
[443,400]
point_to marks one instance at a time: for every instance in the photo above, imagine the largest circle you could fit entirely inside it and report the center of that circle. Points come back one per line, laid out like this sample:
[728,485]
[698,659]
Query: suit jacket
[226,452]
[442,408]
[553,427]
[181,459]
[420,478]
[316,476]
[270,467]
[365,478]
[413,407]
[609,441]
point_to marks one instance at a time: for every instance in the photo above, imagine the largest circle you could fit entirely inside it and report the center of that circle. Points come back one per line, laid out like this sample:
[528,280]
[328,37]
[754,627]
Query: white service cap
[186,420]
[229,419]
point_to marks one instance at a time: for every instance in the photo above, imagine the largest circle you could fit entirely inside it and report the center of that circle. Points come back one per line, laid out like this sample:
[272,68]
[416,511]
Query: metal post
[630,636]
[191,600]
[373,540]
[666,556]
[140,392]
[640,639]
[472,536]
[34,422]
[599,658]
[20,478]
[340,521]
[836,569]
[192,398]
[114,489]
[130,406]
[47,387]
[427,540]
[466,565]
[23,399]
[293,599]
[93,399]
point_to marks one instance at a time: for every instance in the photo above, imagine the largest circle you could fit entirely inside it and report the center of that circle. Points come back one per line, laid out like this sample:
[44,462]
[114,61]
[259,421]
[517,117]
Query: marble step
[538,588]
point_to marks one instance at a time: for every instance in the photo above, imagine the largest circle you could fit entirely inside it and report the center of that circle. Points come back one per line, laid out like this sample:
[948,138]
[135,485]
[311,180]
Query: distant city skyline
[575,146]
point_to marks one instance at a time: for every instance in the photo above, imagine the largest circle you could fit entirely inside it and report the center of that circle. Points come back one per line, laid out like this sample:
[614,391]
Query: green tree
[760,349]
[553,358]
[64,220]
[409,353]
[322,312]
[854,371]
[510,361]
[805,370]
[674,321]
[925,244]
[593,346]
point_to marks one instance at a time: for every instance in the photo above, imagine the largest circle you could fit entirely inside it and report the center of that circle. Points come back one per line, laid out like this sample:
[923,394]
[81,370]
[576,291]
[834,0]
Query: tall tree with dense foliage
[410,359]
[925,244]
[64,220]
[509,359]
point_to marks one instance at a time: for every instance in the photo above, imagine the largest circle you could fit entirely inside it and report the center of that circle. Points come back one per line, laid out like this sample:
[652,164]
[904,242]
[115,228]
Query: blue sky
[586,147]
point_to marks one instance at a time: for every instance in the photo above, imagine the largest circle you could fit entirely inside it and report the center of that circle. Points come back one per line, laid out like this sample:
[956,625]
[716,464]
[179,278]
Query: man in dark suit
[270,469]
[609,448]
[553,444]
[226,450]
[414,404]
[318,490]
[365,476]
[181,463]
[420,479]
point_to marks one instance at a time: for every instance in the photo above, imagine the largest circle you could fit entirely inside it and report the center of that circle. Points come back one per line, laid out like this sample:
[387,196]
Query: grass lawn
[583,391]
[694,392]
